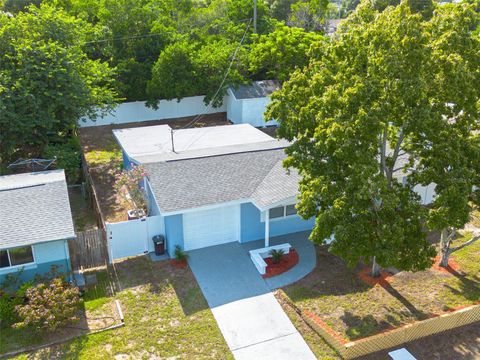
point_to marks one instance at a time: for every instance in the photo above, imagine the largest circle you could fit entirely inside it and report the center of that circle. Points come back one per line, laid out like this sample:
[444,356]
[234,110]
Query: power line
[198,117]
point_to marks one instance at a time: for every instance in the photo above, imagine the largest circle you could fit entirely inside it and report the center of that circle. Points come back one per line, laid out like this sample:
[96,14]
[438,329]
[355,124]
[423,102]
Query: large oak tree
[390,103]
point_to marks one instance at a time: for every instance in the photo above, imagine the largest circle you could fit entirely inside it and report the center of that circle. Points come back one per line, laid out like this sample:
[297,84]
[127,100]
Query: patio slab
[307,258]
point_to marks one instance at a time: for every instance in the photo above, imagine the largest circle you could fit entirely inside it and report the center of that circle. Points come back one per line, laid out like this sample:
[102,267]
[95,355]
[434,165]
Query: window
[281,212]
[290,210]
[17,256]
[276,212]
[4,259]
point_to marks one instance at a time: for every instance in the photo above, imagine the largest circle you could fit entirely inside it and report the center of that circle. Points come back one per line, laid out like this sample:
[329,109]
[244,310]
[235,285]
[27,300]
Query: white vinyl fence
[133,237]
[137,111]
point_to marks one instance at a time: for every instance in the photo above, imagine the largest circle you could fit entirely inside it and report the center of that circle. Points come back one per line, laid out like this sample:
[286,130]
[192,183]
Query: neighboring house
[35,224]
[221,184]
[247,104]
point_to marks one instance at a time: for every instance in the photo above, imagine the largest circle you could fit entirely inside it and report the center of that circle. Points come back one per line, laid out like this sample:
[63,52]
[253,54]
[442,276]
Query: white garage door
[211,227]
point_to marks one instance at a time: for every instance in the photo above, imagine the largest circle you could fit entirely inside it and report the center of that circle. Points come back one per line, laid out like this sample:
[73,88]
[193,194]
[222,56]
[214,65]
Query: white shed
[246,104]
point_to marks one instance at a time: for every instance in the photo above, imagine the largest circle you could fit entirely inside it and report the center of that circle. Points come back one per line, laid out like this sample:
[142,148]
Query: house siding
[153,209]
[127,164]
[174,232]
[253,111]
[254,229]
[234,109]
[54,253]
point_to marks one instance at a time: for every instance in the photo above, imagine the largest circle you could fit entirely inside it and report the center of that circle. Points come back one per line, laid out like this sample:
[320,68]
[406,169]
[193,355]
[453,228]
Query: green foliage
[129,187]
[188,69]
[49,306]
[7,310]
[387,81]
[277,255]
[67,157]
[47,82]
[311,15]
[180,254]
[277,54]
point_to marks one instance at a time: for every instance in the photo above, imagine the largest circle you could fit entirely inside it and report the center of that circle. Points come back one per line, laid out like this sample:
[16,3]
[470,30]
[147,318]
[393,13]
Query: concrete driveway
[251,320]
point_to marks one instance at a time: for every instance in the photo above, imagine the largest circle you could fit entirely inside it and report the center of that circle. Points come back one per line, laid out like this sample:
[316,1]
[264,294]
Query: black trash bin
[159,242]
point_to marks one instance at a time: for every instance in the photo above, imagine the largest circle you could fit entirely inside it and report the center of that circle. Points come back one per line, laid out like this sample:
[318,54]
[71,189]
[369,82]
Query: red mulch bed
[179,264]
[288,261]
[452,267]
[383,279]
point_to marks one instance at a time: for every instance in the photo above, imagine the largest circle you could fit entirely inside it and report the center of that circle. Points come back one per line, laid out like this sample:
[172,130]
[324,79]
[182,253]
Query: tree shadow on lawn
[159,276]
[331,276]
[468,286]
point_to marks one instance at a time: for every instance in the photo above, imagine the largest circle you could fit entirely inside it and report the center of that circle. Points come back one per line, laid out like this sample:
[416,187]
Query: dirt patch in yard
[103,157]
[335,294]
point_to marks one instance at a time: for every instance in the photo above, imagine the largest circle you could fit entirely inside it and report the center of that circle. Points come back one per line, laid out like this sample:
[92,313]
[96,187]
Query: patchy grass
[83,216]
[166,316]
[110,153]
[335,294]
[316,343]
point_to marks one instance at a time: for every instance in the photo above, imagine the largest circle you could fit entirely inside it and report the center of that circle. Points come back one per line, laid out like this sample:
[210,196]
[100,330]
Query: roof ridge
[267,174]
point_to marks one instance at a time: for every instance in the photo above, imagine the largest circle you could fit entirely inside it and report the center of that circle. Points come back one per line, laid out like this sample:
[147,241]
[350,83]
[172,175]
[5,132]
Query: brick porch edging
[392,337]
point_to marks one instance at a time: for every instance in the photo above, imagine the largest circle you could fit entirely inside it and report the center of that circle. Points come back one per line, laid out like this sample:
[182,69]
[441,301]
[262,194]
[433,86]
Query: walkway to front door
[250,318]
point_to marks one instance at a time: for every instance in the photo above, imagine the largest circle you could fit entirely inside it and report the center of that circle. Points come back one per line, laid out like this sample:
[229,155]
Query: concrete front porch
[306,257]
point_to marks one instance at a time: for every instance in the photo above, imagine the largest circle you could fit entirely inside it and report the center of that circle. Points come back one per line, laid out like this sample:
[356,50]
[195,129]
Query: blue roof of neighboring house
[34,208]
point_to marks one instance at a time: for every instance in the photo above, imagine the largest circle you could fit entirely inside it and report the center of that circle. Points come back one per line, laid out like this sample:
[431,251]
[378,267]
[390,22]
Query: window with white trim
[17,256]
[281,212]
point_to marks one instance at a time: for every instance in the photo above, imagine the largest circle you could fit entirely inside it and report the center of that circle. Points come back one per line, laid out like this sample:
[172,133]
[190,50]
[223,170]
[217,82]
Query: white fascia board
[205,207]
[288,201]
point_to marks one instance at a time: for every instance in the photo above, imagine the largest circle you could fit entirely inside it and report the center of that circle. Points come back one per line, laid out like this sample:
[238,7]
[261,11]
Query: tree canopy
[47,81]
[390,103]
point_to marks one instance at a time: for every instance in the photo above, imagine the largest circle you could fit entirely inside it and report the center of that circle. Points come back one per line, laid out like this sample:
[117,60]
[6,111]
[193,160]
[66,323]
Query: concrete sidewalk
[252,321]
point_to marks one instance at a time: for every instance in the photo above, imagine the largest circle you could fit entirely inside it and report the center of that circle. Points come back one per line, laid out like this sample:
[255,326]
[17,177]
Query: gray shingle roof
[34,208]
[258,89]
[278,185]
[191,183]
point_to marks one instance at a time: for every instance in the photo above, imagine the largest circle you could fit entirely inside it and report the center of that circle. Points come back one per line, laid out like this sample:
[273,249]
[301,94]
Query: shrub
[180,254]
[49,306]
[129,187]
[67,157]
[276,255]
[7,310]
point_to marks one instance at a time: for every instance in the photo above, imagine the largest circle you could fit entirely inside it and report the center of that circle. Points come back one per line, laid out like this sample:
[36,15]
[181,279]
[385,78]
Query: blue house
[35,224]
[214,185]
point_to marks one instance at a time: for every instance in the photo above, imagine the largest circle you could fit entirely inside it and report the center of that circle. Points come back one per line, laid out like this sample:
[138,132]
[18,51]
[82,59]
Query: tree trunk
[444,256]
[444,249]
[375,268]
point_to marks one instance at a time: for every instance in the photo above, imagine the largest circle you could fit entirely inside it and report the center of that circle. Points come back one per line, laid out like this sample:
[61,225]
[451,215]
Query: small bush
[8,316]
[276,255]
[49,307]
[180,254]
[67,157]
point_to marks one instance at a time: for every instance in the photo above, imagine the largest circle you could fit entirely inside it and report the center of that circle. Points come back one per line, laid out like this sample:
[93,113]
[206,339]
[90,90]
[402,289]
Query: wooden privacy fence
[391,338]
[89,249]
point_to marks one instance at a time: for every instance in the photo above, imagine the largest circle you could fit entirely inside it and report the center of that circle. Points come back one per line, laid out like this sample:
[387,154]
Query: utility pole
[254,16]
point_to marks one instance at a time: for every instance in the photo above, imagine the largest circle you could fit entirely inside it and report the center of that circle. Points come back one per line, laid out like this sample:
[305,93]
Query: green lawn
[165,312]
[335,294]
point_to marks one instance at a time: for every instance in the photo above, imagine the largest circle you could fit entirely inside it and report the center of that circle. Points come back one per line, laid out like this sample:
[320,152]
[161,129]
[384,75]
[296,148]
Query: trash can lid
[158,238]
